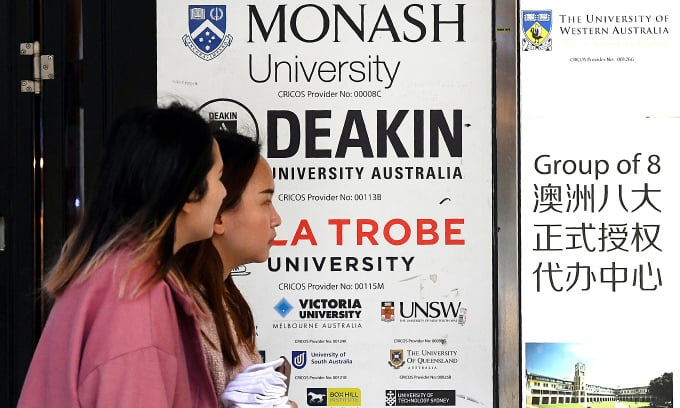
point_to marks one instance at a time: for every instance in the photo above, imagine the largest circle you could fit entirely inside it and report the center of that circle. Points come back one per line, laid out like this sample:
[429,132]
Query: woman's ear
[186,208]
[218,225]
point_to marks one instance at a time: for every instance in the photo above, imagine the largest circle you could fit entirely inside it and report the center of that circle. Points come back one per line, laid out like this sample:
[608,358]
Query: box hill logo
[207,36]
[334,397]
[536,26]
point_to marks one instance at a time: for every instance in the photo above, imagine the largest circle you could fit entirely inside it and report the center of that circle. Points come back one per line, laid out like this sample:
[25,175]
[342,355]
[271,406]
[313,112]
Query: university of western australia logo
[536,26]
[207,36]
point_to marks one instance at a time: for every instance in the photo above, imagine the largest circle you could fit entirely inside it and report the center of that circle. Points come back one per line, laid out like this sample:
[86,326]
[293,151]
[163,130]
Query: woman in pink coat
[123,330]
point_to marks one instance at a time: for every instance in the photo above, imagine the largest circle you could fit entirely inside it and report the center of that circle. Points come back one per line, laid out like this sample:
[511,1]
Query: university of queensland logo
[207,36]
[396,358]
[536,26]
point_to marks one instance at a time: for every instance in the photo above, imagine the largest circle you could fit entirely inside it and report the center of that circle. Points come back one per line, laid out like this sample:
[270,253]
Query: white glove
[259,385]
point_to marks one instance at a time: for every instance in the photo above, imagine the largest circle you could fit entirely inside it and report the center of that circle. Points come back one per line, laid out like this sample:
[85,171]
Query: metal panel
[507,201]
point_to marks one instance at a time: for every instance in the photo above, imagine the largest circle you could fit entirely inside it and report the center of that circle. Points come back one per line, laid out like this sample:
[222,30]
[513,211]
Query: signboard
[376,121]
[599,127]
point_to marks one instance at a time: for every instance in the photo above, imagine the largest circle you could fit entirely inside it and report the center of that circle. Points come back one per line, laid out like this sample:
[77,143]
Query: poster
[377,122]
[599,126]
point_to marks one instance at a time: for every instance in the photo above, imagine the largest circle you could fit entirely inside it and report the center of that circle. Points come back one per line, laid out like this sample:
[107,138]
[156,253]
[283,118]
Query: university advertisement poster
[376,118]
[599,136]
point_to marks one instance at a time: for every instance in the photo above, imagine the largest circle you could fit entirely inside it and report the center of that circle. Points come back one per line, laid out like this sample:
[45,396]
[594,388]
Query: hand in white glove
[259,385]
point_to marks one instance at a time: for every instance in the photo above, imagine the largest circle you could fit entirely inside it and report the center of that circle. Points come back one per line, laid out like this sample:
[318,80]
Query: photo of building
[547,390]
[544,387]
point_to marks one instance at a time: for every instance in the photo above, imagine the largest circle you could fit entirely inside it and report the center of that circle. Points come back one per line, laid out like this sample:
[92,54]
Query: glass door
[41,165]
[51,140]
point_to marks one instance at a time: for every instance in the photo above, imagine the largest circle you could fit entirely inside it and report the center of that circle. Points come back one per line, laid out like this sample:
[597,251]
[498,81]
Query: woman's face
[244,234]
[196,220]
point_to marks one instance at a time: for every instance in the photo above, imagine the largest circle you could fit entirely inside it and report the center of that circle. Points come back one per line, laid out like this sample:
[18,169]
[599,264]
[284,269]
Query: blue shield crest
[536,25]
[299,359]
[207,36]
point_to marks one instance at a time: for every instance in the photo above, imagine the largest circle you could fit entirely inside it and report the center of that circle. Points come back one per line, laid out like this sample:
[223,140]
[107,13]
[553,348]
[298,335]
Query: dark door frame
[17,257]
[118,70]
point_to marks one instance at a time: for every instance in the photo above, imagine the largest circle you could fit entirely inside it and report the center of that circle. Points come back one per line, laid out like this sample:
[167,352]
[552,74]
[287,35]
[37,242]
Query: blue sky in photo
[616,364]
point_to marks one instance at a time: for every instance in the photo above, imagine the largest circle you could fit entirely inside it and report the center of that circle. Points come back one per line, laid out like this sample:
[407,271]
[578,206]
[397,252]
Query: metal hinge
[43,67]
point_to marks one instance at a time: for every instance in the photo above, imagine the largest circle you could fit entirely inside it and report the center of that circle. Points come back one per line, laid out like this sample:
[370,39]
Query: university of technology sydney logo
[207,36]
[536,26]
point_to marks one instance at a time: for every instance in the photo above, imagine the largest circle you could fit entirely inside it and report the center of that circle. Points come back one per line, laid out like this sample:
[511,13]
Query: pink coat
[99,350]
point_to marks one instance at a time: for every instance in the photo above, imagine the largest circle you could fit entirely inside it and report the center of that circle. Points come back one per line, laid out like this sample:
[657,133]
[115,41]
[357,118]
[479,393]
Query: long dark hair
[155,160]
[202,265]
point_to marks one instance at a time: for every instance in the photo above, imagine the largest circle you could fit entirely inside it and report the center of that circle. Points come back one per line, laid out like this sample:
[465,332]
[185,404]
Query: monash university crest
[536,25]
[207,36]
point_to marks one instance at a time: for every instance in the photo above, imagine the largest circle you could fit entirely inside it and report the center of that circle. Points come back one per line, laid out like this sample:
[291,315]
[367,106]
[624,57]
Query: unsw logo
[207,36]
[430,311]
[387,311]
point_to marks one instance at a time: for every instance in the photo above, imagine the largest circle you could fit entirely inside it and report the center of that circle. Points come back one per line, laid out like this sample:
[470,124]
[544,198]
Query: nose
[276,218]
[224,190]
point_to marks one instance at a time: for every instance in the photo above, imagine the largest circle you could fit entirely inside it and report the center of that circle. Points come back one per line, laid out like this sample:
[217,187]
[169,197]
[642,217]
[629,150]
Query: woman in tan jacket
[243,233]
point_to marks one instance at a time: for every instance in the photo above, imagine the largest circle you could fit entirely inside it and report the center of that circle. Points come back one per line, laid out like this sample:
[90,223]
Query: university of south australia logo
[299,359]
[207,36]
[536,26]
